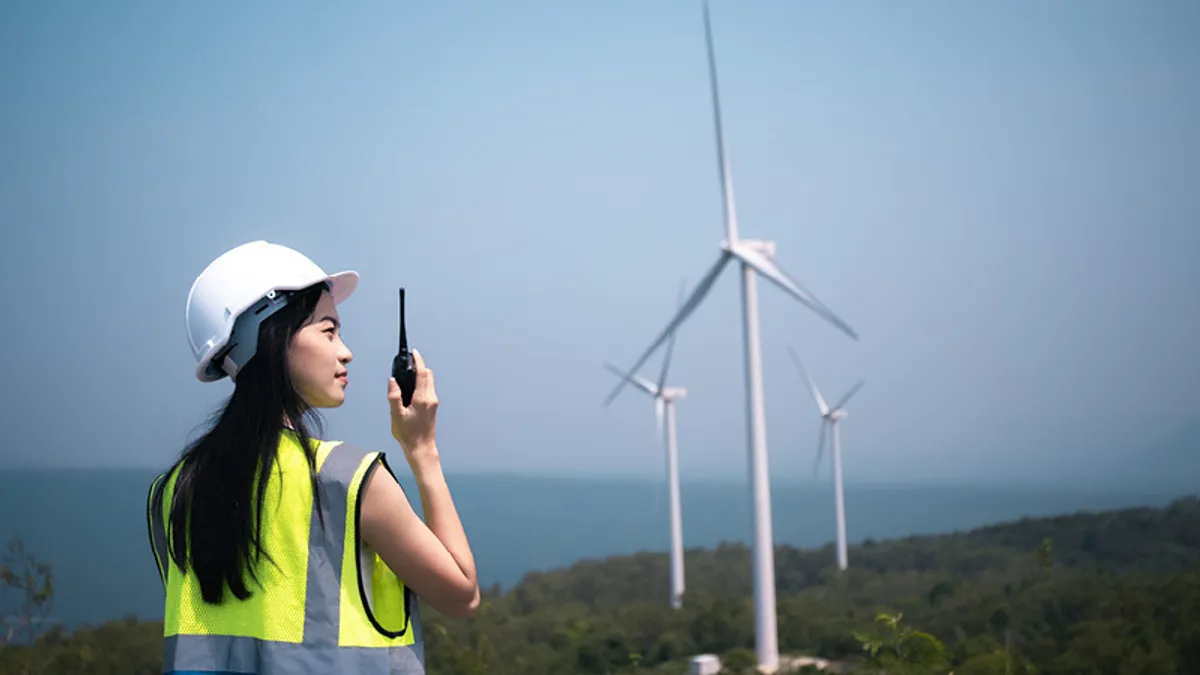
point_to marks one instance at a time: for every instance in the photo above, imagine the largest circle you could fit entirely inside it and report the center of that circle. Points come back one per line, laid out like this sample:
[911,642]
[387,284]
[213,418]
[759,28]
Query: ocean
[91,527]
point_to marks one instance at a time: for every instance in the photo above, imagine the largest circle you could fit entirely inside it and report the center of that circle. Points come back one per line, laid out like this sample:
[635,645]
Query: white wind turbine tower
[664,407]
[829,418]
[755,257]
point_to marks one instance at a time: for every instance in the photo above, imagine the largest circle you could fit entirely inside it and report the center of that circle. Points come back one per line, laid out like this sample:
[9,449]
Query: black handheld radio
[403,367]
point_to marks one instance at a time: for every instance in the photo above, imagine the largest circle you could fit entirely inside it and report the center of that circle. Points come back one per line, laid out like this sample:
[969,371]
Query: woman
[280,552]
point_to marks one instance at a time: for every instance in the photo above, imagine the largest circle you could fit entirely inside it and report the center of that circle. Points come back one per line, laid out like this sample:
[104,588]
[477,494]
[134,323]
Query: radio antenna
[403,330]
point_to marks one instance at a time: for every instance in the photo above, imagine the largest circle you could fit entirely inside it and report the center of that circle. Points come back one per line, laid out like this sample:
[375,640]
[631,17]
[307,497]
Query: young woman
[280,552]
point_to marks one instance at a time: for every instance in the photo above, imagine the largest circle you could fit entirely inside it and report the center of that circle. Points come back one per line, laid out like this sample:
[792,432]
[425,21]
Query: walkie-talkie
[403,367]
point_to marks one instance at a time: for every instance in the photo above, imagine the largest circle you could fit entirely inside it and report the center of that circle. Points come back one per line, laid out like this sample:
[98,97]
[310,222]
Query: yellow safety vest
[328,604]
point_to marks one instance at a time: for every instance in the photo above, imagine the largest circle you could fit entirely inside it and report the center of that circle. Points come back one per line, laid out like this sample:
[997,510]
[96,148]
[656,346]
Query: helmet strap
[243,339]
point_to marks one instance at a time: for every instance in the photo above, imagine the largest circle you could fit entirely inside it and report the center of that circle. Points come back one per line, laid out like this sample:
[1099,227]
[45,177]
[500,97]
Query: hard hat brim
[341,286]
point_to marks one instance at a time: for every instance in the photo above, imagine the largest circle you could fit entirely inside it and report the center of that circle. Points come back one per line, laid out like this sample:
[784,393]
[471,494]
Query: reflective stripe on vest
[328,604]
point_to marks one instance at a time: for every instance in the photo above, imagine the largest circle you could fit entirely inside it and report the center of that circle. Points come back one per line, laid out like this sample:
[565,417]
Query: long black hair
[212,516]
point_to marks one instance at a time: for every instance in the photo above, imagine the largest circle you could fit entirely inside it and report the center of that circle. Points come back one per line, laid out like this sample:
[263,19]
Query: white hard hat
[253,275]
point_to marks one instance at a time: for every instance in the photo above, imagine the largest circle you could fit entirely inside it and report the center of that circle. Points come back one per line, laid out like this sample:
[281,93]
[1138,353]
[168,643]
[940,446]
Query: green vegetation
[1114,592]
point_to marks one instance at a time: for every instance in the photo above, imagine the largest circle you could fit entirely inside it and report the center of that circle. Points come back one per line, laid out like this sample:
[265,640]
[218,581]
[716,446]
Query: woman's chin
[327,399]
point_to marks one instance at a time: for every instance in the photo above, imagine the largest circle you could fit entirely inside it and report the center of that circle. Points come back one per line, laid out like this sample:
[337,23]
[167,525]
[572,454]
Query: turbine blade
[662,376]
[666,364]
[816,393]
[693,301]
[767,267]
[731,229]
[845,399]
[641,382]
[820,446]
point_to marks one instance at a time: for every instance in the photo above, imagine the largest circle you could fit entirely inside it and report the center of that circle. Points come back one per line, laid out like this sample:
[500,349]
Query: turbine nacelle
[837,415]
[673,393]
[764,247]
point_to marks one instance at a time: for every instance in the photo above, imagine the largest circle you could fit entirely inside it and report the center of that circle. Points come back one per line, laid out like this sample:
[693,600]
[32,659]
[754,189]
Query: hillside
[1151,539]
[1108,592]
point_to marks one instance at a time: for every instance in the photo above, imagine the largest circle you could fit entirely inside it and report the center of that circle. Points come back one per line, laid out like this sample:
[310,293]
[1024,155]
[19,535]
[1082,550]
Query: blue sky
[999,197]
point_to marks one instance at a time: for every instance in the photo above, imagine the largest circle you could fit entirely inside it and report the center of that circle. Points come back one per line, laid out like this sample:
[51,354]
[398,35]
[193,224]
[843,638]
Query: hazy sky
[1002,198]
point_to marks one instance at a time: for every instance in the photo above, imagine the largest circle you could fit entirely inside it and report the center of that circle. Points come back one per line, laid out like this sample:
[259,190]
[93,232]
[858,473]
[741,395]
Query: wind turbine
[829,418]
[755,257]
[664,407]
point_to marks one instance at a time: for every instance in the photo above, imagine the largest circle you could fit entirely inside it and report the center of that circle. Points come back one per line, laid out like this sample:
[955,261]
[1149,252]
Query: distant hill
[1151,540]
[1100,592]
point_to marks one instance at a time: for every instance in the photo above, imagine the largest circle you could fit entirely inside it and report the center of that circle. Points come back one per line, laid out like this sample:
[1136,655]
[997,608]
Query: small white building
[705,664]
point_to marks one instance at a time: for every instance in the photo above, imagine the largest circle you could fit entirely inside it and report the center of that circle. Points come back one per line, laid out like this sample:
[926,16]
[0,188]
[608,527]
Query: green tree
[902,649]
[32,581]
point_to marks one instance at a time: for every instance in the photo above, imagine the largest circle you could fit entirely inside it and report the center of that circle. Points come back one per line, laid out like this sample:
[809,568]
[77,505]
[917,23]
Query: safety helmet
[237,292]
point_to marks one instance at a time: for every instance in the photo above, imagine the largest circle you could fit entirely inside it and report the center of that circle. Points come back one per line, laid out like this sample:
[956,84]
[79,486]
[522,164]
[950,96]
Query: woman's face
[317,358]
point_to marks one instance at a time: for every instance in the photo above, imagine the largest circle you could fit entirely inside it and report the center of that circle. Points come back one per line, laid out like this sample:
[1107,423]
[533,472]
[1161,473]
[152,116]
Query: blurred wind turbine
[755,257]
[829,418]
[664,407]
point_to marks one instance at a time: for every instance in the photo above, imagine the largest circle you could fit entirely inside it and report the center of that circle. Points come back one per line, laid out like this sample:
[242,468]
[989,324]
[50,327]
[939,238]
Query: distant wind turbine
[664,407]
[829,418]
[755,257]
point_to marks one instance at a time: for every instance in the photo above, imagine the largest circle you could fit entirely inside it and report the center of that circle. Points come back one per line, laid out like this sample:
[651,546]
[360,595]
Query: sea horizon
[90,524]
